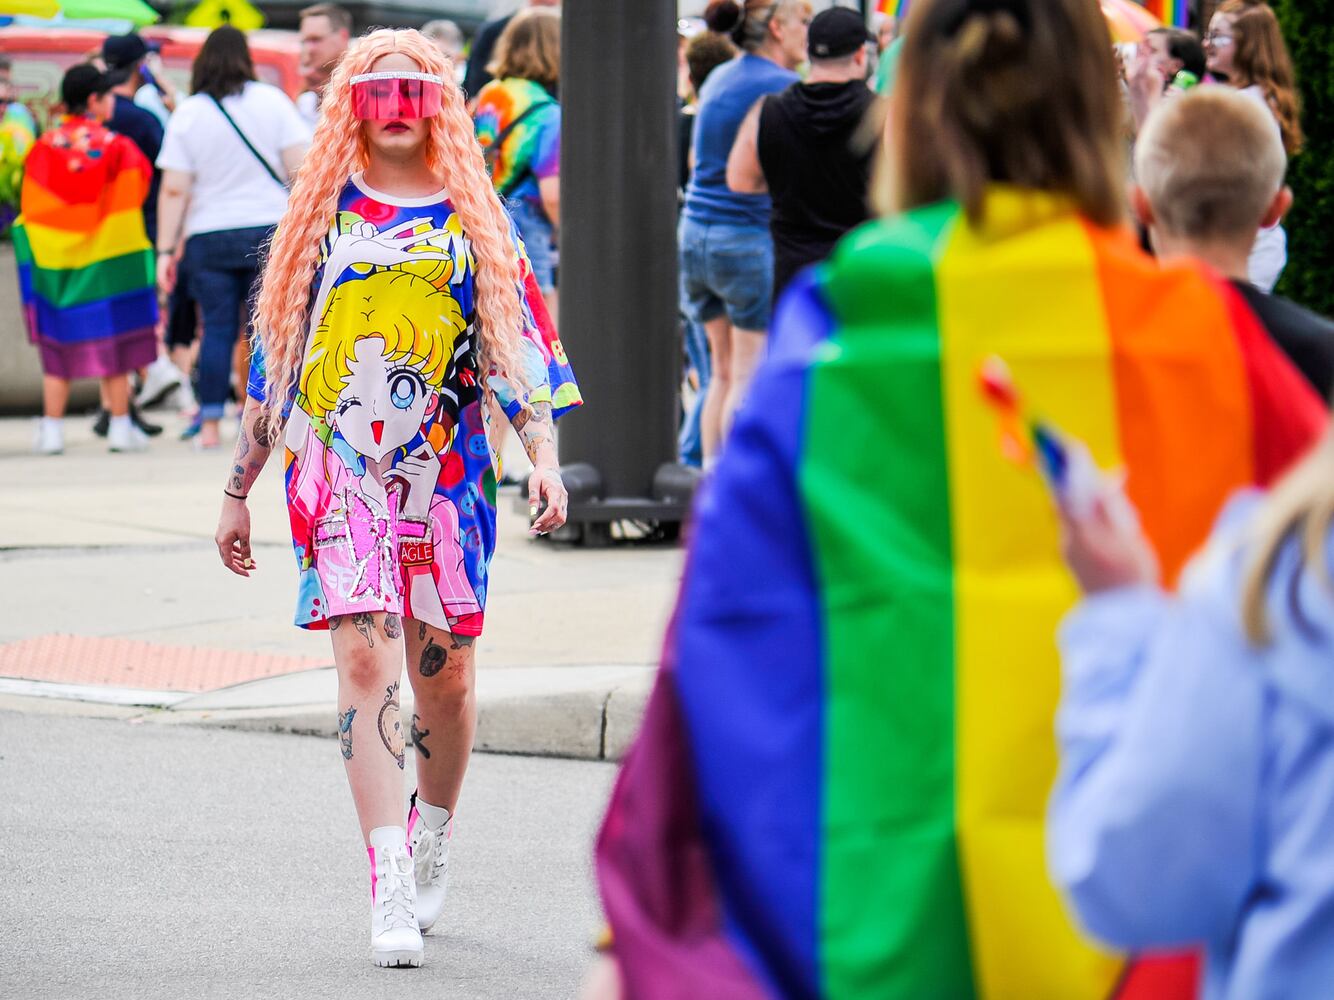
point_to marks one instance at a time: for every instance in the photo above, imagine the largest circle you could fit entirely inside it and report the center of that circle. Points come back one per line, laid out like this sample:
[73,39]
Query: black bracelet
[234,496]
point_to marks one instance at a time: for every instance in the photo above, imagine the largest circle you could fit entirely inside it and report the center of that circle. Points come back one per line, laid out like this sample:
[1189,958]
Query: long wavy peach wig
[339,150]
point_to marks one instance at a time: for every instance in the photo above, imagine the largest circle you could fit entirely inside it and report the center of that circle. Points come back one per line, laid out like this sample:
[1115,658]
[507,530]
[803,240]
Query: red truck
[41,56]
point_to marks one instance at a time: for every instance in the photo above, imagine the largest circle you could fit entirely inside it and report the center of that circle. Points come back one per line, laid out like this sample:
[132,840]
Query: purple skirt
[98,358]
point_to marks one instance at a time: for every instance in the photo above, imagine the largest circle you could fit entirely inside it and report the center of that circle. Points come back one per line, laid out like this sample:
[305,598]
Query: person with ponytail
[726,252]
[396,307]
[1245,49]
[841,783]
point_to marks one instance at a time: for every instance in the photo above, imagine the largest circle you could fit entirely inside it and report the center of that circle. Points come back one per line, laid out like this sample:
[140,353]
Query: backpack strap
[492,152]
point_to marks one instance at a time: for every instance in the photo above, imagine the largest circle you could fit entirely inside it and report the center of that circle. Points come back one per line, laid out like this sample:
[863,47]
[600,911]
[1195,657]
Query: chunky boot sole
[407,959]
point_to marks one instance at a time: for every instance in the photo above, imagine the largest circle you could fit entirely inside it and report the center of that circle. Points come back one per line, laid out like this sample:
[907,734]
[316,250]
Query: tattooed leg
[345,731]
[432,659]
[364,622]
[419,736]
[440,669]
[391,724]
[369,663]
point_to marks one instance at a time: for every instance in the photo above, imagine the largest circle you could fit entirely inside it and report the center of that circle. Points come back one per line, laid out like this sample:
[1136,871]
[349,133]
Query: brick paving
[73,659]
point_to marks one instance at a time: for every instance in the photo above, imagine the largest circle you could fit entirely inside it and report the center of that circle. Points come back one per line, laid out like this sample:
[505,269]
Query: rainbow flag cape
[840,784]
[85,265]
[1174,13]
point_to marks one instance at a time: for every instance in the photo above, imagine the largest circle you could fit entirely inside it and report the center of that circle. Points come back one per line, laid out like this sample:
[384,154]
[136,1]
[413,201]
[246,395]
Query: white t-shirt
[231,189]
[308,105]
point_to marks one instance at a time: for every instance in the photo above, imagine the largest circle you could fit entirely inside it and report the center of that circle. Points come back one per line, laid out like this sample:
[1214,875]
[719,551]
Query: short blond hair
[1210,162]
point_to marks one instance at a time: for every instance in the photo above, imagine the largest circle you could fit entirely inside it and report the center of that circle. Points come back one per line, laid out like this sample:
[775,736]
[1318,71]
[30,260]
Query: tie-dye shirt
[390,473]
[531,150]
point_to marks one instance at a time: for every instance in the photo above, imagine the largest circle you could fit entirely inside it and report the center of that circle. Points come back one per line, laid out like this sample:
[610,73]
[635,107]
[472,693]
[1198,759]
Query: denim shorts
[726,270]
[536,232]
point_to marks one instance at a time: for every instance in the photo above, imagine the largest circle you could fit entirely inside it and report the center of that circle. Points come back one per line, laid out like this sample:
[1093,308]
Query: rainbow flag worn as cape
[85,265]
[840,784]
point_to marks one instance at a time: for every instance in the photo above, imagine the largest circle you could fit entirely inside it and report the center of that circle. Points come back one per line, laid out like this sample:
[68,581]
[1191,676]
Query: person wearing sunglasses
[395,307]
[1245,49]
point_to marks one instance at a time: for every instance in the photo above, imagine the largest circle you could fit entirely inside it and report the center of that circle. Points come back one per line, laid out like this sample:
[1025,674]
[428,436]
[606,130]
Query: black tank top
[816,178]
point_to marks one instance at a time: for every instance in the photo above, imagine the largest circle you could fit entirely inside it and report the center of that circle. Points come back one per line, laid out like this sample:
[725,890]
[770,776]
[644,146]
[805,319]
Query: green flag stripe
[106,279]
[875,486]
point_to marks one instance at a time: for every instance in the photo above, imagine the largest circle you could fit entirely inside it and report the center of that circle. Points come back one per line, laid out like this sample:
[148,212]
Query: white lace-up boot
[430,862]
[395,940]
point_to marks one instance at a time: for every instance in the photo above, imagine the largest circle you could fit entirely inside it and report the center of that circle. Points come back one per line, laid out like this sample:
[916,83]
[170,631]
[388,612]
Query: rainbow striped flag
[840,784]
[898,8]
[1175,13]
[85,264]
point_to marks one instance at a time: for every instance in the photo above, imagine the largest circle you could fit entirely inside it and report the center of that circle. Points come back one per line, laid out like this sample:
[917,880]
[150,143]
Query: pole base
[591,515]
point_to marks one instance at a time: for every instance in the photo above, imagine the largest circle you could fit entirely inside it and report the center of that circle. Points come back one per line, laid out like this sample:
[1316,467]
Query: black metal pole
[618,284]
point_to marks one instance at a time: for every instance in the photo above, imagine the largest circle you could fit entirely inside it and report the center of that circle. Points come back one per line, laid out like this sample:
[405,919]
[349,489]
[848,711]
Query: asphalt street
[146,862]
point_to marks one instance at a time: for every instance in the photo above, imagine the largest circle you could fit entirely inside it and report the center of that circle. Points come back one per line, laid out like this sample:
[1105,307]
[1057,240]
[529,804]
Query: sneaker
[50,437]
[430,864]
[182,399]
[396,943]
[159,379]
[123,435]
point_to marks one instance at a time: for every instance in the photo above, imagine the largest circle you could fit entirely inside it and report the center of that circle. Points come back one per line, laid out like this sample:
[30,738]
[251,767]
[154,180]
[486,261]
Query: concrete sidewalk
[112,593]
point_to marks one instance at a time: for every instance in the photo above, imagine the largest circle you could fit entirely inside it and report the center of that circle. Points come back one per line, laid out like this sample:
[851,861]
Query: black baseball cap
[82,82]
[836,32]
[122,52]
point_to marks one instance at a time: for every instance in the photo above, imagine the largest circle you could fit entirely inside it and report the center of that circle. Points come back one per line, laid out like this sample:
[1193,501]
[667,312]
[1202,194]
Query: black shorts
[182,315]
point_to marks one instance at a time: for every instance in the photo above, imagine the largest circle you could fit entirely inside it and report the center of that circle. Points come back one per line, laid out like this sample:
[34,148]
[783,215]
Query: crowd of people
[218,165]
[844,784]
[909,555]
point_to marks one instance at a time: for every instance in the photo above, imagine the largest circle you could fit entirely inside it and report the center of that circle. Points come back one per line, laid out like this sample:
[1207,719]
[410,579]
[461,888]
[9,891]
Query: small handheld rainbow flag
[897,8]
[1175,13]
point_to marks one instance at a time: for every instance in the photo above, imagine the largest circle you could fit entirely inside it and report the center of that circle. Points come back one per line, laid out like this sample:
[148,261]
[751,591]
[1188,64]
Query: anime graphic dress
[390,473]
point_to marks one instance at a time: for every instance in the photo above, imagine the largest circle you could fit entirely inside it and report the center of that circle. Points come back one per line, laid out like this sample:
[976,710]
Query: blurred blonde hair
[1300,507]
[1211,162]
[339,149]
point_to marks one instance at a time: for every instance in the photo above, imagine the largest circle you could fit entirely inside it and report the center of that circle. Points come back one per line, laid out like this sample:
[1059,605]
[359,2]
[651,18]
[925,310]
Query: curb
[582,713]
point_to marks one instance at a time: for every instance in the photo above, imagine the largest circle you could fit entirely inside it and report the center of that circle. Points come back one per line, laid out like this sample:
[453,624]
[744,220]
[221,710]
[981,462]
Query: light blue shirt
[1195,801]
[148,98]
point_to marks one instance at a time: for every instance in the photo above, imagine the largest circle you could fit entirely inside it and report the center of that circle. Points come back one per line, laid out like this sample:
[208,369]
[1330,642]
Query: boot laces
[432,851]
[396,892]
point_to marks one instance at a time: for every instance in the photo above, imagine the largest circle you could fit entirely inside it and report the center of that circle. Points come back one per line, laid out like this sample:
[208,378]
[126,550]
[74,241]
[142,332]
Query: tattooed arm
[254,442]
[537,432]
